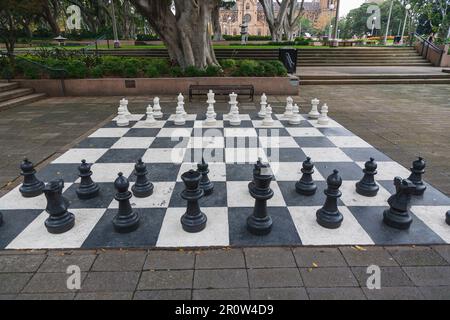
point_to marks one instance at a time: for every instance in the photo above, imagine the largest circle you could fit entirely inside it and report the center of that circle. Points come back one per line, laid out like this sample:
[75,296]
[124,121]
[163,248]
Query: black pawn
[367,186]
[194,220]
[417,170]
[31,186]
[260,222]
[306,185]
[88,189]
[60,220]
[205,183]
[447,217]
[398,215]
[143,187]
[329,215]
[126,219]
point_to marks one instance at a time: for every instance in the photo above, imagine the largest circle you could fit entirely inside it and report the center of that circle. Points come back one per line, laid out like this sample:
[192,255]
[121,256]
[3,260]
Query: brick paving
[401,121]
[254,273]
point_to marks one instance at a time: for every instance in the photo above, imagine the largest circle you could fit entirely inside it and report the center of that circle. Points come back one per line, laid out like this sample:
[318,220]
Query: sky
[347,5]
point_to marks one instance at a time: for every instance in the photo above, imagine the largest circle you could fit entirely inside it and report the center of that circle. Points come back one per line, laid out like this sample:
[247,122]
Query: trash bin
[397,39]
[289,58]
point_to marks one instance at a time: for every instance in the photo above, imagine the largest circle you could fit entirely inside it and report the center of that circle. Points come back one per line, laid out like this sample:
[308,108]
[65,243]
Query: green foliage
[152,71]
[192,71]
[147,37]
[250,38]
[176,72]
[228,63]
[213,71]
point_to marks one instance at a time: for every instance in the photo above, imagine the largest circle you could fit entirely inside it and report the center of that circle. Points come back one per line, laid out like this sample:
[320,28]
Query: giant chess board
[170,150]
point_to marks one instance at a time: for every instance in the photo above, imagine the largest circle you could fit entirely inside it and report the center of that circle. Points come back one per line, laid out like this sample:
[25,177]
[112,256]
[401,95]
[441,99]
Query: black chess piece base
[259,226]
[419,189]
[447,217]
[86,192]
[396,219]
[61,224]
[126,224]
[367,190]
[309,189]
[31,191]
[207,186]
[329,220]
[194,223]
[260,222]
[143,191]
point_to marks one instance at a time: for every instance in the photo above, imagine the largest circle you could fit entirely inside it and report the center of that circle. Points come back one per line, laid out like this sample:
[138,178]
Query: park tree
[95,13]
[434,14]
[16,16]
[276,18]
[50,12]
[184,30]
[222,4]
[293,18]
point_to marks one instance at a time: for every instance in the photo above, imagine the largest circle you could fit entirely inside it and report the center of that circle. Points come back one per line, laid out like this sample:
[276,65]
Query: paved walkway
[253,273]
[348,71]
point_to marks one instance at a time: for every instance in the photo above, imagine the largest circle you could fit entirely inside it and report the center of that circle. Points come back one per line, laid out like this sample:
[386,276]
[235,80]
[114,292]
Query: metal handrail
[62,73]
[428,44]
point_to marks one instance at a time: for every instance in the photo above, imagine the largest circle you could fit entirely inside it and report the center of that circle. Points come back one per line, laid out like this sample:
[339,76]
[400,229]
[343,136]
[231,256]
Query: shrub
[176,71]
[152,72]
[192,71]
[228,63]
[213,71]
[97,72]
[31,73]
[76,69]
[246,68]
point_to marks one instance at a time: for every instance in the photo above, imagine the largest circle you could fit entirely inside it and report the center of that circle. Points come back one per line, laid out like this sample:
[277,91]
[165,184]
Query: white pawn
[262,113]
[122,119]
[295,119]
[289,107]
[314,114]
[324,120]
[157,113]
[150,121]
[268,120]
[179,117]
[181,104]
[210,114]
[124,105]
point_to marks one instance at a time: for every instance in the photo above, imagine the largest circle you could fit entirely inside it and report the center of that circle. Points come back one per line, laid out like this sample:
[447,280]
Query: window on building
[247,6]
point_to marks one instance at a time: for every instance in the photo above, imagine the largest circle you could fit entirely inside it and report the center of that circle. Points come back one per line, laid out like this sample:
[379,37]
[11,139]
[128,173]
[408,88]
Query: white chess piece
[124,104]
[181,104]
[314,114]
[262,113]
[295,119]
[179,117]
[234,118]
[324,120]
[268,120]
[150,121]
[157,113]
[233,102]
[122,119]
[211,114]
[289,107]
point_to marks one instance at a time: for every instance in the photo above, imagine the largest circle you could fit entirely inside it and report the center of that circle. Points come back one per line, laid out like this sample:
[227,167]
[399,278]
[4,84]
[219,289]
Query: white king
[211,114]
[235,119]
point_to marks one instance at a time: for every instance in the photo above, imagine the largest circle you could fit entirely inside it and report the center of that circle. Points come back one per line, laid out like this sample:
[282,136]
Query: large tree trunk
[50,13]
[292,21]
[276,22]
[216,23]
[184,33]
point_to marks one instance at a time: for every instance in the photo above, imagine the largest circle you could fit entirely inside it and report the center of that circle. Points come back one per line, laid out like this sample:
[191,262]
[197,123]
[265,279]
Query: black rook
[60,220]
[260,222]
[31,186]
[194,220]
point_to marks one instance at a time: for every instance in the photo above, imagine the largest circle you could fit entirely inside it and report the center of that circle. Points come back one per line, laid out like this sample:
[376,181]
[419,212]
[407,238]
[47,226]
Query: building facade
[252,11]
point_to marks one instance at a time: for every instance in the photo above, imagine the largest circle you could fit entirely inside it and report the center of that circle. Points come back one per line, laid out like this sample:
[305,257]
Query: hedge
[110,66]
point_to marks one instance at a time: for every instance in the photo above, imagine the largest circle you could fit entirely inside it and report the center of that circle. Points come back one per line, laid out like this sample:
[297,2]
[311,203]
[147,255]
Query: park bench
[222,90]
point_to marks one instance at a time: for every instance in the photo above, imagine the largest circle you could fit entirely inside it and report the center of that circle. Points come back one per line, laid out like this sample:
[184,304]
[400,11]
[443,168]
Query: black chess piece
[194,220]
[1,219]
[306,185]
[31,186]
[398,215]
[60,219]
[143,187]
[417,170]
[126,219]
[260,222]
[447,217]
[87,189]
[367,186]
[205,183]
[329,215]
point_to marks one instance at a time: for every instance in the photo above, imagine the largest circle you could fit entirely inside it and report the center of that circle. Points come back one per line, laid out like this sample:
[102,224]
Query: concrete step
[16,93]
[6,86]
[374,81]
[374,76]
[356,64]
[359,60]
[21,100]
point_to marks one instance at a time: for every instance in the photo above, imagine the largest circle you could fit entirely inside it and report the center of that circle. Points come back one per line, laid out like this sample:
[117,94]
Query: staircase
[383,56]
[11,95]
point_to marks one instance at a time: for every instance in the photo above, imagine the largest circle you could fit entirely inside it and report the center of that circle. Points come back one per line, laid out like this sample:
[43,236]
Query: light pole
[338,2]
[331,7]
[388,23]
[113,14]
[407,7]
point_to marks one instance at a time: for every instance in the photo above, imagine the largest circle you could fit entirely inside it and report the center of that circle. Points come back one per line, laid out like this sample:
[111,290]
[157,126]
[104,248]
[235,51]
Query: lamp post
[338,2]
[388,23]
[331,7]
[114,21]
[407,7]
